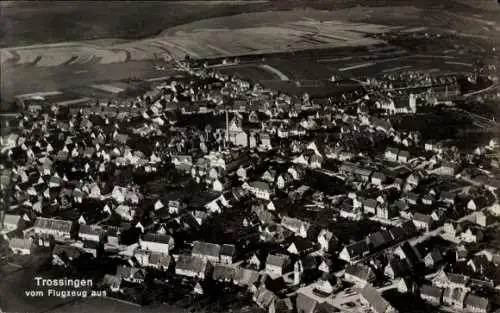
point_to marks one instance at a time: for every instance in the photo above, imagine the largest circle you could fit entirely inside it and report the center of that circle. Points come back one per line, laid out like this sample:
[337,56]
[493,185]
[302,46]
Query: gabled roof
[206,249]
[477,302]
[375,299]
[276,260]
[357,249]
[361,271]
[305,303]
[158,238]
[223,272]
[190,263]
[431,291]
[228,250]
[246,277]
[160,259]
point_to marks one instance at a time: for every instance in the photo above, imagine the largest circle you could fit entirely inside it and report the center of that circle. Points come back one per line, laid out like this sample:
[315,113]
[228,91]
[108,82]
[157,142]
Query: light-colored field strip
[51,60]
[395,69]
[356,66]
[183,49]
[433,56]
[39,94]
[334,59]
[108,88]
[74,101]
[274,71]
[414,29]
[159,78]
[5,55]
[220,50]
[458,63]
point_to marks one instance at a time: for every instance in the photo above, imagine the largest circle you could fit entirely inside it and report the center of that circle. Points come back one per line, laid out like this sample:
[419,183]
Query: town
[210,184]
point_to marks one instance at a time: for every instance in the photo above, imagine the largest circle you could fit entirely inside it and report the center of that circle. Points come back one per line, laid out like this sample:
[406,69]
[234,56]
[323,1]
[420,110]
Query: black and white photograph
[250,156]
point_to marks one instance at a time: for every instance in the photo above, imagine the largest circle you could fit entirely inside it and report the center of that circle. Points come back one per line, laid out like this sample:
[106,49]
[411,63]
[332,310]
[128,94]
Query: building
[206,251]
[354,251]
[192,266]
[227,254]
[157,242]
[131,274]
[475,304]
[431,294]
[60,229]
[276,264]
[21,246]
[359,274]
[374,299]
[260,189]
[391,154]
[90,232]
[10,222]
[295,225]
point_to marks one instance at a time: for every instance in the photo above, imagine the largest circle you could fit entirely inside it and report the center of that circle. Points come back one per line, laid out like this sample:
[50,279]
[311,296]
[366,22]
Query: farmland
[99,49]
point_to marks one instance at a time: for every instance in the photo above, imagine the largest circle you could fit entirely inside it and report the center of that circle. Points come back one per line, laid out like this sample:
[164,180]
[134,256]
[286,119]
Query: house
[422,221]
[370,206]
[276,264]
[396,268]
[223,273]
[206,251]
[455,297]
[284,180]
[305,304]
[433,258]
[63,254]
[131,274]
[327,240]
[484,219]
[387,212]
[21,246]
[447,197]
[379,239]
[354,251]
[375,301]
[403,156]
[60,229]
[391,154]
[359,274]
[300,246]
[405,285]
[260,189]
[193,266]
[175,206]
[227,254]
[281,306]
[378,178]
[472,235]
[157,242]
[10,222]
[431,294]
[113,282]
[476,304]
[90,232]
[113,235]
[349,212]
[245,277]
[264,297]
[295,225]
[254,262]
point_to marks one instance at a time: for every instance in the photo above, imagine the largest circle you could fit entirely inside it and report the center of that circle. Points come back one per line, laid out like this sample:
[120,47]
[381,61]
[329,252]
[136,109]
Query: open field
[105,56]
[24,80]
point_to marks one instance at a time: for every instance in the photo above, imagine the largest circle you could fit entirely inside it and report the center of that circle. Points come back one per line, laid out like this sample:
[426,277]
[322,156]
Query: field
[98,49]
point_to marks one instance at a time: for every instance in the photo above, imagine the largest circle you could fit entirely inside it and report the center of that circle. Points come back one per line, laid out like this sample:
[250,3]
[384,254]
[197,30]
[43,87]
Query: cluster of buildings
[295,175]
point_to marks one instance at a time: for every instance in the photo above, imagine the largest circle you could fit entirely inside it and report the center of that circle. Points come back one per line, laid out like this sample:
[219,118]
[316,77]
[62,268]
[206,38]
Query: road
[478,92]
